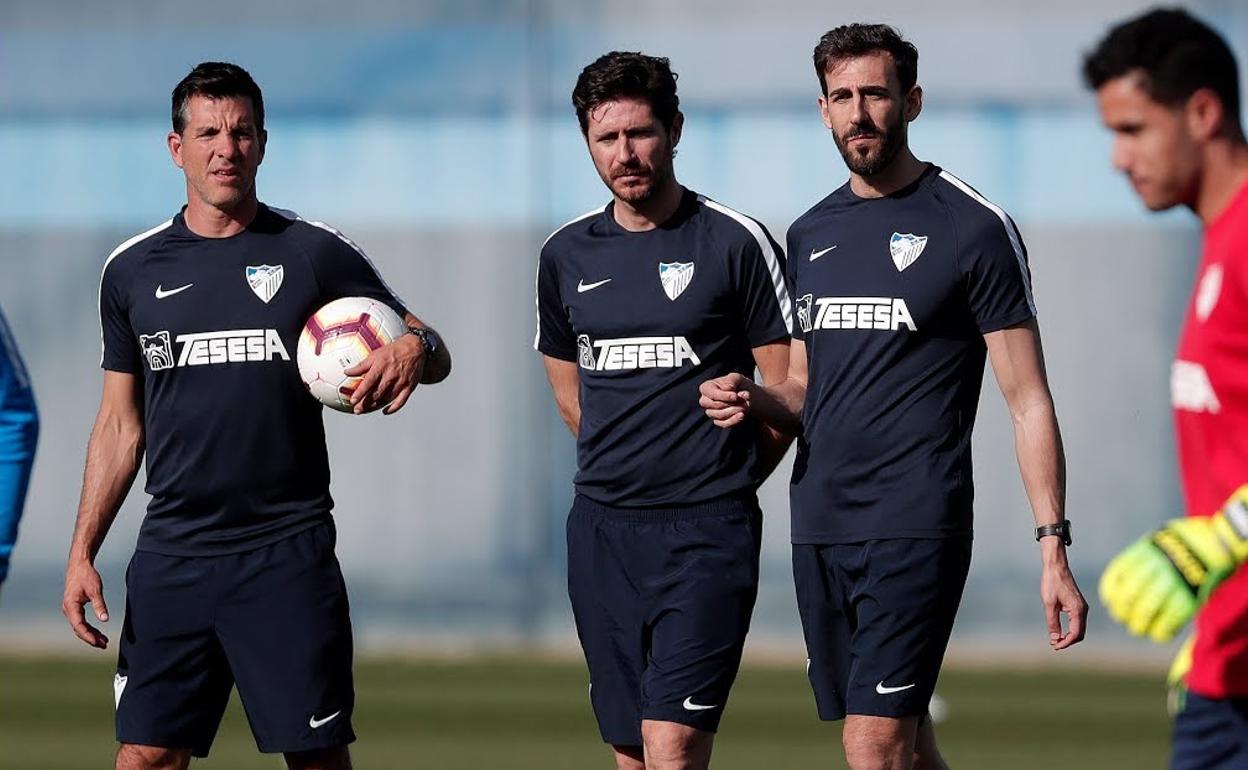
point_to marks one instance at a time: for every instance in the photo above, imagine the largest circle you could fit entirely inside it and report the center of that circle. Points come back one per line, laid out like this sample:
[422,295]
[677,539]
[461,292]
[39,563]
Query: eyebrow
[241,125]
[868,89]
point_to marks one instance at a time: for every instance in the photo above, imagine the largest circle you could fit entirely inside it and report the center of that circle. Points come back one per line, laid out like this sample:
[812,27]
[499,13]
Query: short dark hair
[216,80]
[1175,53]
[627,75]
[852,40]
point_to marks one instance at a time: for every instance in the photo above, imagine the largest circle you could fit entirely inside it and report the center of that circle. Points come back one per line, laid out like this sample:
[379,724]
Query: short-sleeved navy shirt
[236,454]
[648,316]
[893,296]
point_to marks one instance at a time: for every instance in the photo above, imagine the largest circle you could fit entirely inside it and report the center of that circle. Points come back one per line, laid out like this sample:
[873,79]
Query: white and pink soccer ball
[338,336]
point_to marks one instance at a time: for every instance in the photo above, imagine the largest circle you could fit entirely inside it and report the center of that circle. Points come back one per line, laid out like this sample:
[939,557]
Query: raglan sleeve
[555,336]
[996,274]
[120,351]
[766,307]
[801,304]
[343,270]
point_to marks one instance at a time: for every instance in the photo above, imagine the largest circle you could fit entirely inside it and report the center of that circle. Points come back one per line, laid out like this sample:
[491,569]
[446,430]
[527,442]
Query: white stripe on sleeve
[1010,230]
[769,255]
[99,299]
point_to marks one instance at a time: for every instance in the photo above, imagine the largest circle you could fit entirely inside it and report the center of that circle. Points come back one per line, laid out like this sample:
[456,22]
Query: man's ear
[1204,114]
[678,125]
[914,103]
[174,140]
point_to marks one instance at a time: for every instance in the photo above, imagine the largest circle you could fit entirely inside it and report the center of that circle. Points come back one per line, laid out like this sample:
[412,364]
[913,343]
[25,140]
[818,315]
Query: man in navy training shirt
[638,302]
[903,279]
[234,578]
[19,432]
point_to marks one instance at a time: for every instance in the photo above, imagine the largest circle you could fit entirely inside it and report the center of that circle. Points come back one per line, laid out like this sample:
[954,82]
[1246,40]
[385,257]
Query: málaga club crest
[265,280]
[906,248]
[675,277]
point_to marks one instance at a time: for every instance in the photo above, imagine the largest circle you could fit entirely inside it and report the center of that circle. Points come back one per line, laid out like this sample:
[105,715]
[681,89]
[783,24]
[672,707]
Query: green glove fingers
[1158,582]
[1173,614]
[1128,576]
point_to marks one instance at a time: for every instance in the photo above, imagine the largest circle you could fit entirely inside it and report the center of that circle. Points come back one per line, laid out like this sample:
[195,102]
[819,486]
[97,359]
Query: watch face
[427,339]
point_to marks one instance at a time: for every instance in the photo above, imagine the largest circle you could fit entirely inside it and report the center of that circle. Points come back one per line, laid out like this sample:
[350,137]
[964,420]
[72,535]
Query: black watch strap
[1060,529]
[428,339]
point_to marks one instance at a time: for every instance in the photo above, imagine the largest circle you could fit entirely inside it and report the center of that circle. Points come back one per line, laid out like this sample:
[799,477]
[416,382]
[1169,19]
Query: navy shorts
[877,616]
[1211,734]
[274,620]
[662,600]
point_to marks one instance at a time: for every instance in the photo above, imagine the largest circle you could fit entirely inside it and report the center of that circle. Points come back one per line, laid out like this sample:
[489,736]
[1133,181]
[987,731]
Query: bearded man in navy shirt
[638,302]
[905,279]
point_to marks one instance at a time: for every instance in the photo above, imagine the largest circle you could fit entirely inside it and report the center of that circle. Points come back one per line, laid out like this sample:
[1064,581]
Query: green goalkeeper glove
[1157,583]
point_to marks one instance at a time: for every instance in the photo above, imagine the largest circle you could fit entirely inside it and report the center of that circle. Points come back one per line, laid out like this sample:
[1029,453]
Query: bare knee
[133,756]
[862,755]
[325,759]
[879,743]
[672,746]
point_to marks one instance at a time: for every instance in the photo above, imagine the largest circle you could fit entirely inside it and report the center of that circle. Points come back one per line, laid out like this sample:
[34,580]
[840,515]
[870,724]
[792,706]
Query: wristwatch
[1061,529]
[428,339]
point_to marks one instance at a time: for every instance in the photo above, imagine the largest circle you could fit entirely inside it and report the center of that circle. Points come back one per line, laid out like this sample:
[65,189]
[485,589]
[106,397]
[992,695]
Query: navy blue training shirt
[236,452]
[893,296]
[648,316]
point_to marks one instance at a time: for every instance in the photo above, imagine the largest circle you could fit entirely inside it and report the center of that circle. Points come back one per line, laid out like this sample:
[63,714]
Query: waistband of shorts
[742,502]
[164,547]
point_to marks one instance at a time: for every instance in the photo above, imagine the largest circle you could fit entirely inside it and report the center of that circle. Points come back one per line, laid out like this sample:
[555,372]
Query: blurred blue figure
[19,431]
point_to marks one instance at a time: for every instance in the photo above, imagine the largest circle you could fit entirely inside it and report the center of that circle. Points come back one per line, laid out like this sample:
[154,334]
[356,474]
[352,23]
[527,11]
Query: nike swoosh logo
[691,706]
[582,287]
[119,686]
[315,723]
[161,294]
[817,254]
[882,690]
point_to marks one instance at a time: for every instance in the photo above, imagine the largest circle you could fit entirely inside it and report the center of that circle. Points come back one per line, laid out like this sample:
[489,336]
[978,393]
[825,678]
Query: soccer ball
[339,336]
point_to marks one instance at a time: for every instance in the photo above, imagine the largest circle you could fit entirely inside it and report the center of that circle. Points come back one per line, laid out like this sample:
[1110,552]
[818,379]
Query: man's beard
[638,193]
[892,139]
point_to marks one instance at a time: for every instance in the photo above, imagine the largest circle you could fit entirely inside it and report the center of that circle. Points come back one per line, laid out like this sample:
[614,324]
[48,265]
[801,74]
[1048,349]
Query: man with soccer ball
[1168,88]
[234,579]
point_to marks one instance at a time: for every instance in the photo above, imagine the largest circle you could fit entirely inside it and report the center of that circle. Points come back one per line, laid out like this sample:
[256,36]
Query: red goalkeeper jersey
[1209,392]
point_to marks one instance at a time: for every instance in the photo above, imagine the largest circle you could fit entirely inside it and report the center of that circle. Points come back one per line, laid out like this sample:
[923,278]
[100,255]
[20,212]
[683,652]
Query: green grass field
[522,714]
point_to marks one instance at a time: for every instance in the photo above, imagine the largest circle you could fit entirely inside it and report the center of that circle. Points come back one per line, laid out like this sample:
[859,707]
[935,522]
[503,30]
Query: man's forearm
[1041,460]
[572,418]
[438,364]
[779,405]
[113,457]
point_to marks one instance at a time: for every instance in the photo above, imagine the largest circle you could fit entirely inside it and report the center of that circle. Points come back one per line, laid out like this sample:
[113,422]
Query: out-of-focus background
[439,135]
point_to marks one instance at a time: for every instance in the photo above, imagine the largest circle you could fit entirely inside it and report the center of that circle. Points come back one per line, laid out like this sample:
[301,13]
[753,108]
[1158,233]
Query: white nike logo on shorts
[315,723]
[119,686]
[882,690]
[691,706]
